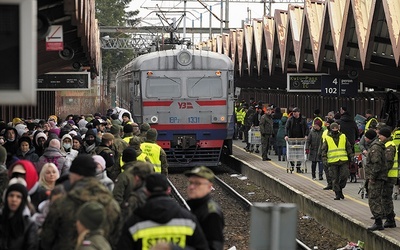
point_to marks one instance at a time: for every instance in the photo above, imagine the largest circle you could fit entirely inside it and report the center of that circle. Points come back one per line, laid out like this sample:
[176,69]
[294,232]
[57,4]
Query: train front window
[163,87]
[204,87]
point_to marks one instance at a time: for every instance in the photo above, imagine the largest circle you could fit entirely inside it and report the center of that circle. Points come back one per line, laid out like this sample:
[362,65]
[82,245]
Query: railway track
[237,201]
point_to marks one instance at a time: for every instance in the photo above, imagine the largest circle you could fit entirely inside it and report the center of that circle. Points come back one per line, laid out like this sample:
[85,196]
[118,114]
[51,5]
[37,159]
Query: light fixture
[184,58]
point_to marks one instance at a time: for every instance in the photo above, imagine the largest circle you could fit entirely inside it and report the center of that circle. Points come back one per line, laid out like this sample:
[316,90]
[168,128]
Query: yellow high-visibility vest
[394,171]
[152,150]
[396,137]
[336,153]
[369,123]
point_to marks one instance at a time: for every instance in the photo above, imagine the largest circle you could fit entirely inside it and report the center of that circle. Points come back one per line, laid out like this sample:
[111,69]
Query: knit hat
[318,122]
[54,143]
[141,169]
[151,135]
[334,126]
[107,137]
[135,141]
[3,155]
[296,109]
[91,215]
[31,175]
[385,132]
[55,131]
[99,160]
[156,183]
[53,117]
[26,139]
[129,154]
[115,129]
[370,134]
[144,127]
[21,129]
[19,188]
[128,128]
[202,172]
[83,165]
[40,135]
[16,121]
[127,115]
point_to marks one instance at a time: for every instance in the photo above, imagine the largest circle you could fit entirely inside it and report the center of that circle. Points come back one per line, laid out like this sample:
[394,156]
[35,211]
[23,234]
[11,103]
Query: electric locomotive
[188,96]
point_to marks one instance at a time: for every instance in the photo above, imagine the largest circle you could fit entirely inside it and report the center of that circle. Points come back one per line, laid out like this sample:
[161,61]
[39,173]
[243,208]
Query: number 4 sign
[338,86]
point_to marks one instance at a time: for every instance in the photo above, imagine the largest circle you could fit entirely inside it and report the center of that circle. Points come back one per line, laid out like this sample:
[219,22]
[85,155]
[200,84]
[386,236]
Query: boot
[327,188]
[298,170]
[320,177]
[341,194]
[376,226]
[337,197]
[390,222]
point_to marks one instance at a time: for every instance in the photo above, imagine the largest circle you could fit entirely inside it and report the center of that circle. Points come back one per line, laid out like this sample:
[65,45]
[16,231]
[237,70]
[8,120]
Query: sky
[237,12]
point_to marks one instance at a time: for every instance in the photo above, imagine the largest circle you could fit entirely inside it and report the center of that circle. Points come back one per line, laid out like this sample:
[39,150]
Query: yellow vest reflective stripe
[396,137]
[394,171]
[337,153]
[369,123]
[324,135]
[175,231]
[240,115]
[152,150]
[127,139]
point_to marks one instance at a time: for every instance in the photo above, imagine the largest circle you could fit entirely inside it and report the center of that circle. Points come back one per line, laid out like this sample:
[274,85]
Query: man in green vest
[337,153]
[392,168]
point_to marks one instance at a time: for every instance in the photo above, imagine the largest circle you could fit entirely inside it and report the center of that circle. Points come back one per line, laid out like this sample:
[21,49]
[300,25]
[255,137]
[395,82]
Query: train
[188,96]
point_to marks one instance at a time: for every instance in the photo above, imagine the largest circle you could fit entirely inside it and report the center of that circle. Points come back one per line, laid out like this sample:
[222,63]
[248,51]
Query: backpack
[53,160]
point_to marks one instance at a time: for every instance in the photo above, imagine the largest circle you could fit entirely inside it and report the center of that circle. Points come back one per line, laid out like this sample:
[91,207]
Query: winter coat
[248,118]
[266,125]
[94,240]
[376,168]
[26,241]
[296,127]
[314,141]
[156,212]
[280,135]
[348,127]
[211,220]
[59,231]
[30,155]
[53,155]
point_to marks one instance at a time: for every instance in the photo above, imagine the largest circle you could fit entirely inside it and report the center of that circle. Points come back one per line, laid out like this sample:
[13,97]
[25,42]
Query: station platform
[349,218]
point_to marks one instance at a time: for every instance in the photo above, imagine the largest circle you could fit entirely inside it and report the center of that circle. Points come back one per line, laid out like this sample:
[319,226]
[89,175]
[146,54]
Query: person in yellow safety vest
[135,143]
[155,153]
[161,220]
[393,172]
[317,116]
[240,114]
[337,153]
[396,140]
[370,121]
[326,167]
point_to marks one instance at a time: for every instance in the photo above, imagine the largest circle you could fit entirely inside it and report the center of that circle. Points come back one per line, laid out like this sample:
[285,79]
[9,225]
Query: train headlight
[154,119]
[184,57]
[149,73]
[218,73]
[218,119]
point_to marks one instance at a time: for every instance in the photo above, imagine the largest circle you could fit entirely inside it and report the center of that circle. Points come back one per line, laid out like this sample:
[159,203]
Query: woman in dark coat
[280,138]
[25,150]
[17,230]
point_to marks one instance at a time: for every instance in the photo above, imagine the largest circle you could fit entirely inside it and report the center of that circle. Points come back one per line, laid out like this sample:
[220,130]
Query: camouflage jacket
[59,231]
[376,168]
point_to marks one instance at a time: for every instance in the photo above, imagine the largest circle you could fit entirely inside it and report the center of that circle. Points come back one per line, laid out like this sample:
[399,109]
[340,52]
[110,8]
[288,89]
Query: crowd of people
[97,182]
[331,144]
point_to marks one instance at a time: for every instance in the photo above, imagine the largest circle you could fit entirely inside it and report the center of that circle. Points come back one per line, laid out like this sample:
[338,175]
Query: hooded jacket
[59,231]
[348,127]
[156,213]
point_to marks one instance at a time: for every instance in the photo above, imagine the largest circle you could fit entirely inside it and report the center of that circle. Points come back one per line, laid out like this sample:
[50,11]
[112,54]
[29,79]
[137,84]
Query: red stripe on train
[157,103]
[189,126]
[202,144]
[212,103]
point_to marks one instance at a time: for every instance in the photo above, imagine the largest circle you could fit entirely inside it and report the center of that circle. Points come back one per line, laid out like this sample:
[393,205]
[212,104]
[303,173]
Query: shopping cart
[296,152]
[254,137]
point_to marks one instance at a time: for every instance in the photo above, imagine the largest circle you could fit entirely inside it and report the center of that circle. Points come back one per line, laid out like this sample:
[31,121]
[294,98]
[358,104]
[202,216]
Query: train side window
[136,88]
[163,87]
[204,87]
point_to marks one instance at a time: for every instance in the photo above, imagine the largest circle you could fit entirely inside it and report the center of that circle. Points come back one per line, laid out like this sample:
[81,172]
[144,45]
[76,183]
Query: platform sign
[64,81]
[303,82]
[18,51]
[339,86]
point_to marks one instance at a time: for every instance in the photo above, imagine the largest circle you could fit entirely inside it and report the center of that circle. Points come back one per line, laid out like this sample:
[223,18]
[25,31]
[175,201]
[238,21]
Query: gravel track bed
[237,220]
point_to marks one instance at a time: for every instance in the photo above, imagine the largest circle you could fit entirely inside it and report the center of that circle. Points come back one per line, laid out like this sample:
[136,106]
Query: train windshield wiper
[171,79]
[198,81]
